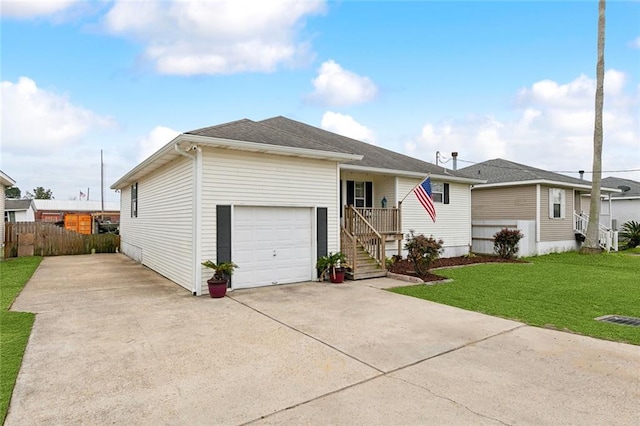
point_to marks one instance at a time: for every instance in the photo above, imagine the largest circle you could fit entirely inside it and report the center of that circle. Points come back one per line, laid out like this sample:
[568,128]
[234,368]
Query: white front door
[271,245]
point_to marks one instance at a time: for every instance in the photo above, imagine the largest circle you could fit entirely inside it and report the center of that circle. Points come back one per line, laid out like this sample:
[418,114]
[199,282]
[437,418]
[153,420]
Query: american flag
[423,192]
[82,195]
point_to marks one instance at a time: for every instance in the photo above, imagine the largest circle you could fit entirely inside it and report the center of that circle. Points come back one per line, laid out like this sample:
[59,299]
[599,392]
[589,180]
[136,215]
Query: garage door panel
[264,231]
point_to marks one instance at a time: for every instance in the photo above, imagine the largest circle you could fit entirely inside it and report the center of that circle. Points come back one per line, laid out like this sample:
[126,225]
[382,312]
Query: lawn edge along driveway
[16,326]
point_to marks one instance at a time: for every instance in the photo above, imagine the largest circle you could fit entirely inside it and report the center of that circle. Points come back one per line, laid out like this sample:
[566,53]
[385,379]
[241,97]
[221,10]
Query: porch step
[367,267]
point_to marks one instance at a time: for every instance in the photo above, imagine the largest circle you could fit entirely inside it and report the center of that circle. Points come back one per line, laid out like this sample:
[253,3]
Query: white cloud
[156,139]
[635,43]
[335,86]
[215,37]
[552,129]
[345,125]
[26,9]
[37,119]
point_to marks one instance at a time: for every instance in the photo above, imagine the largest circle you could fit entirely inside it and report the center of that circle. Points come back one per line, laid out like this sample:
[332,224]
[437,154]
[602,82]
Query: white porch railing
[607,239]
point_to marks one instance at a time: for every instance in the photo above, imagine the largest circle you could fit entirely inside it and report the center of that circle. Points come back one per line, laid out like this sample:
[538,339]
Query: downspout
[537,216]
[197,200]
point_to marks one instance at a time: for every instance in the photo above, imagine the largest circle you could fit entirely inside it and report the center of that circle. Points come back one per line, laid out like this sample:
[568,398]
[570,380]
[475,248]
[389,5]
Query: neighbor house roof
[630,188]
[282,136]
[373,157]
[500,172]
[11,204]
[76,206]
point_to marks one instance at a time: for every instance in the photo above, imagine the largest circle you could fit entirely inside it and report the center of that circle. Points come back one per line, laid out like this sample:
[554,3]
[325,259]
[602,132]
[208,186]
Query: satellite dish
[624,188]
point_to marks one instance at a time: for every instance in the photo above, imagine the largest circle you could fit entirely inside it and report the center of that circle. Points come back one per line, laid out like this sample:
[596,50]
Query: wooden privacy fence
[47,239]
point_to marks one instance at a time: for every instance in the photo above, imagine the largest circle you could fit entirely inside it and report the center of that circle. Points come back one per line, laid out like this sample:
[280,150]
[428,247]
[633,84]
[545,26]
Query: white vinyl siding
[240,178]
[161,235]
[453,220]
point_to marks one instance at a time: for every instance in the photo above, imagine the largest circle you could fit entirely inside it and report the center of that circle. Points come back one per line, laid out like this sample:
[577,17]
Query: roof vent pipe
[454,155]
[581,174]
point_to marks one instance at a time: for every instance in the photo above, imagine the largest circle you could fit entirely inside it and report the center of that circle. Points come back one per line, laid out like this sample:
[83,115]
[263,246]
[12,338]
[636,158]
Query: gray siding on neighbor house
[552,229]
[161,237]
[512,203]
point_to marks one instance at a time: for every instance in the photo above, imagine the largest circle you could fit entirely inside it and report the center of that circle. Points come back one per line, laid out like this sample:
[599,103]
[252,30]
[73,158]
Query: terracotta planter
[336,275]
[217,288]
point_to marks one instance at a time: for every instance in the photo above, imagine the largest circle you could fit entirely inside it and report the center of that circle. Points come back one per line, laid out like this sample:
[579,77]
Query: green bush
[422,251]
[505,242]
[630,234]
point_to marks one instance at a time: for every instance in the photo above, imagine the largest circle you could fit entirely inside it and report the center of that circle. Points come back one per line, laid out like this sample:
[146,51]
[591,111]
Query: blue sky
[513,79]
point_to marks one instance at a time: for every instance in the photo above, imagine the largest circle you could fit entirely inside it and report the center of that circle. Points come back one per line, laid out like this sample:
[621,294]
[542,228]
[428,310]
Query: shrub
[422,251]
[630,233]
[505,242]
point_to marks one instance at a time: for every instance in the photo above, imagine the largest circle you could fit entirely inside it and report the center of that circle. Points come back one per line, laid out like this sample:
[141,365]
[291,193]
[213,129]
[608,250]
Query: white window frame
[359,201]
[437,192]
[134,200]
[557,197]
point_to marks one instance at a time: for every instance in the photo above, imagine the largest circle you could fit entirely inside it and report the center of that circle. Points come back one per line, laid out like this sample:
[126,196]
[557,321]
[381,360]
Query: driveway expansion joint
[307,335]
[453,401]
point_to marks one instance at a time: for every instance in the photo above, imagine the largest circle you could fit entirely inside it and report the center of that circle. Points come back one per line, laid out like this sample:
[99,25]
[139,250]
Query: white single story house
[19,210]
[274,195]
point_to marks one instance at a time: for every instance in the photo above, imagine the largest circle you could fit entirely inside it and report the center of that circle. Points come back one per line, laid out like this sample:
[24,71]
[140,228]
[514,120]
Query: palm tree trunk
[591,243]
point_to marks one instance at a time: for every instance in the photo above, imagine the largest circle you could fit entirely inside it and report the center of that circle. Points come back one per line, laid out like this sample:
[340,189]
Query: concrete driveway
[115,343]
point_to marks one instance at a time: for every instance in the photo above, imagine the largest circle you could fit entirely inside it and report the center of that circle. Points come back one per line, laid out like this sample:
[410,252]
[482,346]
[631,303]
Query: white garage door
[271,245]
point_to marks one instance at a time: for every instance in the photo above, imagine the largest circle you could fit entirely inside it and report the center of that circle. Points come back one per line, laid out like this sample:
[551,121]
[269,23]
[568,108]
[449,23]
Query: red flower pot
[336,275]
[217,288]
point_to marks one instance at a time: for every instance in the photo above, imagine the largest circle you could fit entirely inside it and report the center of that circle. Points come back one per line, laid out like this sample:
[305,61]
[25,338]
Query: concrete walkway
[115,343]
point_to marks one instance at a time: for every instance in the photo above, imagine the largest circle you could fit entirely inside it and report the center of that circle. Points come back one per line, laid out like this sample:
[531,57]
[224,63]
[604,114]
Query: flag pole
[414,187]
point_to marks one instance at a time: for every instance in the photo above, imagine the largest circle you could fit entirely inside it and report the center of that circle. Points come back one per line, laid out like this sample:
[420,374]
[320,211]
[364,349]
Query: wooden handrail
[370,239]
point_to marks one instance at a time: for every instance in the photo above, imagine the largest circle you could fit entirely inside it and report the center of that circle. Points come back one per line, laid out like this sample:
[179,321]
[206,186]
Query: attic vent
[617,319]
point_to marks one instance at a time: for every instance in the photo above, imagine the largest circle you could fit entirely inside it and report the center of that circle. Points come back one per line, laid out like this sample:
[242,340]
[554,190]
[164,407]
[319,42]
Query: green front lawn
[16,326]
[562,291]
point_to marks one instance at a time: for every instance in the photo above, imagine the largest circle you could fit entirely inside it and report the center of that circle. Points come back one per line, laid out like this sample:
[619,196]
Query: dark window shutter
[350,192]
[368,188]
[322,232]
[446,193]
[223,235]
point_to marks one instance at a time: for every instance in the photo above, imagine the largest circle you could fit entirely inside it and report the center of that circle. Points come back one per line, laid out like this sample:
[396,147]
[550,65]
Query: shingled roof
[258,132]
[504,171]
[12,204]
[623,184]
[373,156]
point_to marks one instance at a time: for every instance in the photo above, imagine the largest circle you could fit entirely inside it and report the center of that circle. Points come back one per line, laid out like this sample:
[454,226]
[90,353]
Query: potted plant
[219,282]
[334,264]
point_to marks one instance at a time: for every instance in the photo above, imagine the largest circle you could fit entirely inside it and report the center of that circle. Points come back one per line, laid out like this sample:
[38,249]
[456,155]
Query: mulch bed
[405,267]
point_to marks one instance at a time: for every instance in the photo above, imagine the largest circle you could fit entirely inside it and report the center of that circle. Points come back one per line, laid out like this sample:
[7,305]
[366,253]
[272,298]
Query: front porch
[365,234]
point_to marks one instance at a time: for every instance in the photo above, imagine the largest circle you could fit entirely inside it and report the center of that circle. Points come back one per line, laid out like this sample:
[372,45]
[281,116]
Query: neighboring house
[625,205]
[19,210]
[55,210]
[5,182]
[546,206]
[273,196]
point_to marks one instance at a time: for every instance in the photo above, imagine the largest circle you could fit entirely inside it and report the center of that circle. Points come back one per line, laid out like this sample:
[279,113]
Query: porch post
[400,227]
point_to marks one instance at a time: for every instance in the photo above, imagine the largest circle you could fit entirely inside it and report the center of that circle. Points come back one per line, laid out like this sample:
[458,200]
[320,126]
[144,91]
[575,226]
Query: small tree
[422,251]
[505,242]
[630,234]
[13,193]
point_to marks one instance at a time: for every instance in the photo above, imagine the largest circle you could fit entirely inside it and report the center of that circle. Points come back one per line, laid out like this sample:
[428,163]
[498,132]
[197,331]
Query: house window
[134,200]
[360,194]
[556,203]
[440,192]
